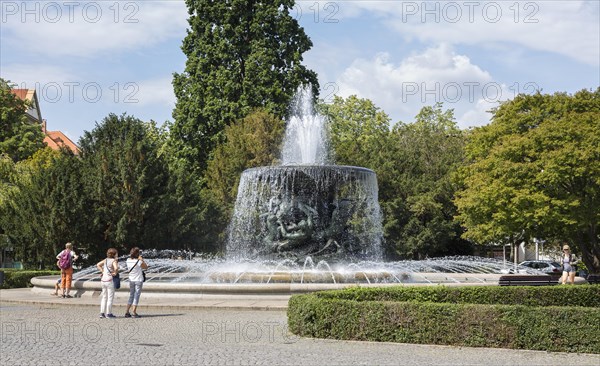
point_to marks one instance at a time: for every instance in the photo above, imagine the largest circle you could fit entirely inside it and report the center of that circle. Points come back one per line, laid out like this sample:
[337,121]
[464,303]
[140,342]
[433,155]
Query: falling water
[344,210]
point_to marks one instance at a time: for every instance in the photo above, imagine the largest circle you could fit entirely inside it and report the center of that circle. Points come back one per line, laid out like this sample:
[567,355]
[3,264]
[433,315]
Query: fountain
[302,226]
[306,207]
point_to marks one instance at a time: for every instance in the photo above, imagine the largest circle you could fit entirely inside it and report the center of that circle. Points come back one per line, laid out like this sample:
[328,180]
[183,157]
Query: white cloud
[324,58]
[477,115]
[437,74]
[156,91]
[570,28]
[90,29]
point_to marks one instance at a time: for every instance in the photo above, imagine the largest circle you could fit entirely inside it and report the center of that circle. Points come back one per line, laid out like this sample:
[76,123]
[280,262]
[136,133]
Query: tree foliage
[249,142]
[127,181]
[19,138]
[535,172]
[413,163]
[358,130]
[241,55]
[419,211]
[45,207]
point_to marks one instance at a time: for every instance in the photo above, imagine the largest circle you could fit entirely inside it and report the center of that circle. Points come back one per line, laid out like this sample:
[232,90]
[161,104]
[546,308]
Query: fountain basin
[86,287]
[219,277]
[299,211]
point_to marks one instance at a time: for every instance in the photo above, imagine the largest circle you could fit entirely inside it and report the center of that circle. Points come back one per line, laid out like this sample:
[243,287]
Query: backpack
[65,259]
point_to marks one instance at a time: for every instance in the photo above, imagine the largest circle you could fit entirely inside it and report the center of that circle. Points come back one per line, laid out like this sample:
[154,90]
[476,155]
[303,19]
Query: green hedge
[581,295]
[21,278]
[351,315]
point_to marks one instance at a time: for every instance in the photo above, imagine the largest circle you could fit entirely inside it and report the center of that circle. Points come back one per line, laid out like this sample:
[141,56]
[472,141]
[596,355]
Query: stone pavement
[256,302]
[71,333]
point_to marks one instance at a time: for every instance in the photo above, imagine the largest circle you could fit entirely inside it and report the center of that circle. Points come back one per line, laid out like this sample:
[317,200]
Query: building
[34,115]
[54,139]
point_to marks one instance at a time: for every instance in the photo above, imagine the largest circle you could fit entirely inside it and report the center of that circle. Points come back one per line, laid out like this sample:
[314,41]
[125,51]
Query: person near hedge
[568,262]
[57,284]
[135,265]
[109,267]
[66,274]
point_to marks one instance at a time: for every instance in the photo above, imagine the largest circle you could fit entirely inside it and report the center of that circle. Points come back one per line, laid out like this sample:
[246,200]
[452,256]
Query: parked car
[549,267]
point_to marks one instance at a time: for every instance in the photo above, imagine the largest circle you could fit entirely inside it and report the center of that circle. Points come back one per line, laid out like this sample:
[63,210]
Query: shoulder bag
[116,279]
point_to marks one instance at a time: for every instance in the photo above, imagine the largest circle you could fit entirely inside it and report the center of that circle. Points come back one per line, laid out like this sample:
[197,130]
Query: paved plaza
[68,332]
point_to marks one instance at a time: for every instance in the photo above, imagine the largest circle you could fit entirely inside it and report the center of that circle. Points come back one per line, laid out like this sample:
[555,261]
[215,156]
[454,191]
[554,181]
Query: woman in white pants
[109,268]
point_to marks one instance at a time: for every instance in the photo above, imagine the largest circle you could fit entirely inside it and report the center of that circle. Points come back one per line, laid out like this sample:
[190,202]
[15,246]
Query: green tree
[241,55]
[127,180]
[44,208]
[535,172]
[19,138]
[419,211]
[413,163]
[249,142]
[8,176]
[358,131]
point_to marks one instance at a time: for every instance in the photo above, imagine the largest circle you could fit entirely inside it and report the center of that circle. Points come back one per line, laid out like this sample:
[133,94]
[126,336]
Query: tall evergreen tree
[44,207]
[127,181]
[241,55]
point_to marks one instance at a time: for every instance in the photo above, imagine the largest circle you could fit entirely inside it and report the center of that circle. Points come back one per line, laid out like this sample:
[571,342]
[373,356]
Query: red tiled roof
[21,93]
[56,139]
[51,144]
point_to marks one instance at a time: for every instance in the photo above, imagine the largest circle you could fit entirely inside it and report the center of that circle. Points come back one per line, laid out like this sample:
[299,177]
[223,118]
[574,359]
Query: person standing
[135,266]
[65,262]
[109,268]
[57,284]
[568,262]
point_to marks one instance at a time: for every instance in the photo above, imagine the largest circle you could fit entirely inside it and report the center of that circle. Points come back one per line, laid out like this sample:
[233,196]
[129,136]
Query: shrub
[416,318]
[584,295]
[20,278]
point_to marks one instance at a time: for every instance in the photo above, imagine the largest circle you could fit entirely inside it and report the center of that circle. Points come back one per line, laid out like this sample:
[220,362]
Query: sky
[87,59]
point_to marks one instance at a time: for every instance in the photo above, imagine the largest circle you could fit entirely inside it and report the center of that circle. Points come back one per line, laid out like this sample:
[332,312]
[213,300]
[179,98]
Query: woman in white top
[109,268]
[135,265]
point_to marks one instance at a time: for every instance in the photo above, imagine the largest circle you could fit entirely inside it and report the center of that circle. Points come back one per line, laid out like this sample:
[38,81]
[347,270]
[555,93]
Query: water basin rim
[304,167]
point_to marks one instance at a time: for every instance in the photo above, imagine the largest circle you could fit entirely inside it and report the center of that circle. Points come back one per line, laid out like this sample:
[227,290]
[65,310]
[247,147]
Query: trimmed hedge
[22,278]
[352,315]
[581,295]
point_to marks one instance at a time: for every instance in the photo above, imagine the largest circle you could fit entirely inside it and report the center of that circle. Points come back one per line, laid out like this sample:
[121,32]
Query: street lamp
[537,248]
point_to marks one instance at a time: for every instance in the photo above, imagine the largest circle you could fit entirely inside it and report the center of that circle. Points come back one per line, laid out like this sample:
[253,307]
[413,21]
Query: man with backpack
[65,262]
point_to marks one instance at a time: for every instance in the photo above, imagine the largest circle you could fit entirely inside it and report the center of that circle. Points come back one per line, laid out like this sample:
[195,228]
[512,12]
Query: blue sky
[88,59]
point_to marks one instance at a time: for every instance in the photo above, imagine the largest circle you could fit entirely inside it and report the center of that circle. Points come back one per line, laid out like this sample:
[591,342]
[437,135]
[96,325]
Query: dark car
[549,267]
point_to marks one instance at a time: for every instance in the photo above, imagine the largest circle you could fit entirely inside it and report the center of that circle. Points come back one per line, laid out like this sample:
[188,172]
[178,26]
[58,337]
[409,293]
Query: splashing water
[306,140]
[457,269]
